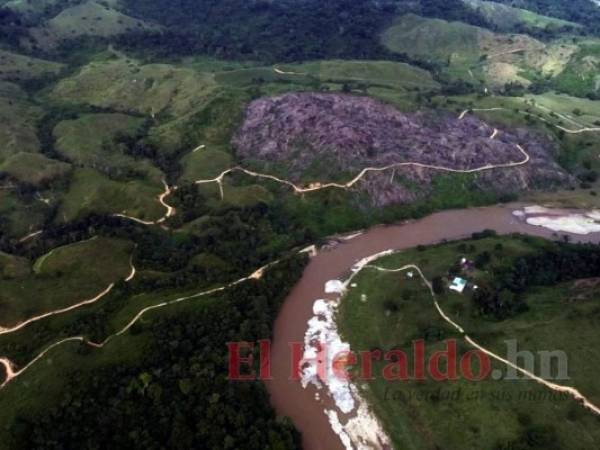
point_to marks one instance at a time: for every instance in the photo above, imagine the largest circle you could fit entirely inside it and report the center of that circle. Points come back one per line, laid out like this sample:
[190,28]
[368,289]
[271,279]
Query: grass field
[433,39]
[95,19]
[570,112]
[13,266]
[495,59]
[65,276]
[206,163]
[89,141]
[29,7]
[92,192]
[16,67]
[543,113]
[126,85]
[373,73]
[44,383]
[580,78]
[21,216]
[573,112]
[57,22]
[170,95]
[578,199]
[390,81]
[18,117]
[395,310]
[201,101]
[507,17]
[82,139]
[33,169]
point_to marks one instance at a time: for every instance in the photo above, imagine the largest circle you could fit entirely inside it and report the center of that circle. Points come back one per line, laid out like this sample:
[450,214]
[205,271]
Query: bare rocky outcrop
[317,137]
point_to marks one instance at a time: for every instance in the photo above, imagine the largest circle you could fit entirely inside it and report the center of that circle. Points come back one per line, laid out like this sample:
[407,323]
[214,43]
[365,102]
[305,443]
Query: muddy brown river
[300,405]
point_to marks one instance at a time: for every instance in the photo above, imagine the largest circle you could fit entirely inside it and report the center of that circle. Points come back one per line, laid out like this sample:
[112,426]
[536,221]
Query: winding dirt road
[580,130]
[283,72]
[289,398]
[12,373]
[320,186]
[573,392]
[11,329]
[20,326]
[451,224]
[170,210]
[30,236]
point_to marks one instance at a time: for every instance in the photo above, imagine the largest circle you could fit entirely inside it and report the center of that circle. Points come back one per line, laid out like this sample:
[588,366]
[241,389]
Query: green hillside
[162,164]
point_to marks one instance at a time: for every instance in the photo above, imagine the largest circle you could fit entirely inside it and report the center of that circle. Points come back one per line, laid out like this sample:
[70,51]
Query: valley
[177,178]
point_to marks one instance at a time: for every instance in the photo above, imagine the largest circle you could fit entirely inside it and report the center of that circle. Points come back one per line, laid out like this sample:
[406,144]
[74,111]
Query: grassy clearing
[92,192]
[544,113]
[126,85]
[12,266]
[178,99]
[33,169]
[65,276]
[206,163]
[463,414]
[433,39]
[21,216]
[75,20]
[85,137]
[88,141]
[576,112]
[390,81]
[507,18]
[208,64]
[213,123]
[28,7]
[375,73]
[579,198]
[246,196]
[94,19]
[251,75]
[557,109]
[17,122]
[494,59]
[16,67]
[580,78]
[44,383]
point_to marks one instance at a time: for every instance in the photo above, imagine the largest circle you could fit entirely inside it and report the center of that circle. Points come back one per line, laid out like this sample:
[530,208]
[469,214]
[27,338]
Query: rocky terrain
[310,136]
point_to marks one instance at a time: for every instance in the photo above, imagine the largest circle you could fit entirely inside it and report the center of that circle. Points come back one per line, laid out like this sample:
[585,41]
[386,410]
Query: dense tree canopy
[179,396]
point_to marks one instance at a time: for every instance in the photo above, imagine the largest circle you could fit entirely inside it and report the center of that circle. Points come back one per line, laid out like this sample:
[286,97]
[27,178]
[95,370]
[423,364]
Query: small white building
[458,285]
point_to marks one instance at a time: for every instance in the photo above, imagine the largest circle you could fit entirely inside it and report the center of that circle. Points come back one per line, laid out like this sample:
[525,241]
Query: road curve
[288,397]
[11,329]
[170,210]
[320,186]
[573,392]
[12,373]
[258,273]
[543,119]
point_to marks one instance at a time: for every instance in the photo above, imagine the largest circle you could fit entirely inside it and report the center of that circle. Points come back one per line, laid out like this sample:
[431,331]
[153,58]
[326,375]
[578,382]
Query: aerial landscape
[298,224]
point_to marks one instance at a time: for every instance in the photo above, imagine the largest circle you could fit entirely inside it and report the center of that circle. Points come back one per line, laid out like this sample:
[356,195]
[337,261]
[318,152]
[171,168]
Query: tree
[438,285]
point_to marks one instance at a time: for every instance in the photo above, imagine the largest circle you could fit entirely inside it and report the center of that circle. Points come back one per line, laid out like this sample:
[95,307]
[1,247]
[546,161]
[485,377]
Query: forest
[580,11]
[178,395]
[286,30]
[548,267]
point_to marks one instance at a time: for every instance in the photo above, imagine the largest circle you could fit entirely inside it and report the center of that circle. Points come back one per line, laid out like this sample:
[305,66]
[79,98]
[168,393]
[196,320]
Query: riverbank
[288,397]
